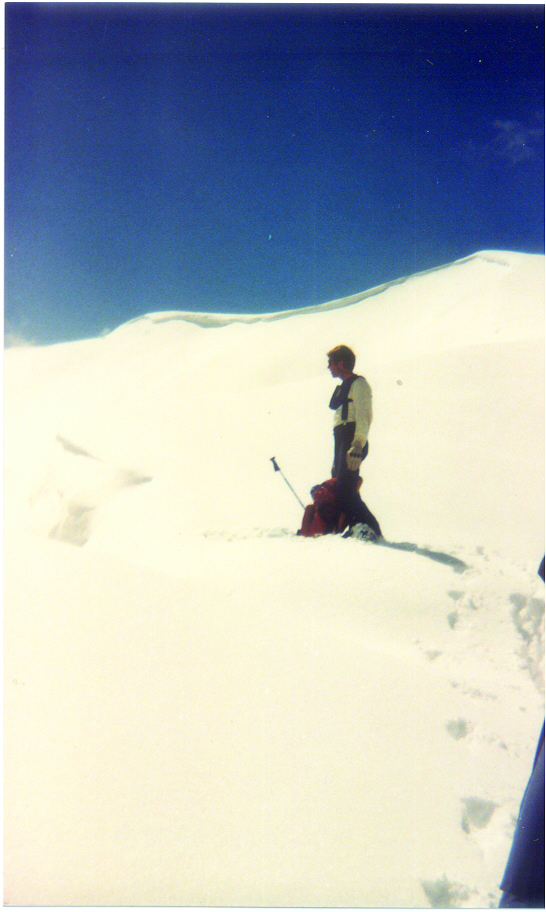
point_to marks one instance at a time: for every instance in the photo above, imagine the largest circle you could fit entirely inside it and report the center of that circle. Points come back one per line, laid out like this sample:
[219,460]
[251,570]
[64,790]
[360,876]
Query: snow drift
[202,708]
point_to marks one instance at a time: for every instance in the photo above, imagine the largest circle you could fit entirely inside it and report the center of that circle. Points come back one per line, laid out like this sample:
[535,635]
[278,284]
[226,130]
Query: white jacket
[359,411]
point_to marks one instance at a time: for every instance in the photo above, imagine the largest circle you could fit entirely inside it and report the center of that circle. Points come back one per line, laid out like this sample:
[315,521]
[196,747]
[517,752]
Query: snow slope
[202,708]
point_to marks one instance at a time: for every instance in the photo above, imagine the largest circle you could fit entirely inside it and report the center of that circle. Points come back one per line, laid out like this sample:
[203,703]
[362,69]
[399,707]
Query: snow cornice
[212,320]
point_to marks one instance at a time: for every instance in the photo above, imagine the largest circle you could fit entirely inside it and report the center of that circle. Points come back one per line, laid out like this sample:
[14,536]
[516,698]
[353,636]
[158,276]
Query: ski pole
[277,469]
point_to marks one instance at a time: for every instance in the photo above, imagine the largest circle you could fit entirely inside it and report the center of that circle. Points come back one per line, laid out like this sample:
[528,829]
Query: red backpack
[323,516]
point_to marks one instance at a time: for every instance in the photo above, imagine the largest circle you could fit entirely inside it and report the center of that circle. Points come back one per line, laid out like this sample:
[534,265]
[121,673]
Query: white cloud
[514,141]
[511,141]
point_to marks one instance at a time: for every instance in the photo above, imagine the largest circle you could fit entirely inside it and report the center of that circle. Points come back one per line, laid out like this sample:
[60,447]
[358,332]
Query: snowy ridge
[204,708]
[211,320]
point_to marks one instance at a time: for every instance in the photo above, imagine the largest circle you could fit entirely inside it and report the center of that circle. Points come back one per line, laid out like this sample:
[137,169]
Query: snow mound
[213,320]
[203,708]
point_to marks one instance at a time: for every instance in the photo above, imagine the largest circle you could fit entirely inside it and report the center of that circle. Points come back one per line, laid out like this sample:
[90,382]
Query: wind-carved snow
[204,708]
[210,320]
[64,502]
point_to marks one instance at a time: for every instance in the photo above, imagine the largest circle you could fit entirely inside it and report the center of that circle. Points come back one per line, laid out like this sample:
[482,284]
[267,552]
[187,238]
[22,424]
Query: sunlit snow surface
[202,708]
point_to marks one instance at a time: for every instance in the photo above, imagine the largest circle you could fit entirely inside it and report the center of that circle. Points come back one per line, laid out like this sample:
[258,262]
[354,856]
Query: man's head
[341,361]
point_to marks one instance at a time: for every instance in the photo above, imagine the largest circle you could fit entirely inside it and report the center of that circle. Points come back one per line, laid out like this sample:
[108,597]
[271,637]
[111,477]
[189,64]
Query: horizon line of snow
[214,320]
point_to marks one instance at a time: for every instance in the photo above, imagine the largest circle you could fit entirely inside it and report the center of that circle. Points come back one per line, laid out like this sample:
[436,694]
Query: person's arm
[361,394]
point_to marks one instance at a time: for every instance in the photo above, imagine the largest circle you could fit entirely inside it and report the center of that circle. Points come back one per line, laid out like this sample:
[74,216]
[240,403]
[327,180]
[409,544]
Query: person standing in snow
[352,405]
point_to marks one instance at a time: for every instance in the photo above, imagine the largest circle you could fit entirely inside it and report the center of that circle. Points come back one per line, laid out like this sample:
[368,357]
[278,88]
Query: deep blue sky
[253,158]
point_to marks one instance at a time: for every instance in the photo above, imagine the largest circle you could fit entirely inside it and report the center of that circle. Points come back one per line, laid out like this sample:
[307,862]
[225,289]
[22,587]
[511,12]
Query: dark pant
[347,482]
